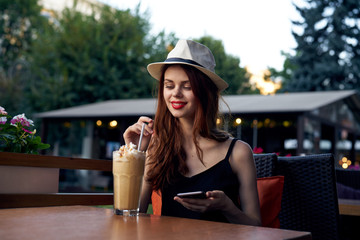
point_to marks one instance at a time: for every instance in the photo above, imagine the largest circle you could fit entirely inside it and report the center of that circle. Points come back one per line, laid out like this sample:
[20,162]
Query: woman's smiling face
[178,94]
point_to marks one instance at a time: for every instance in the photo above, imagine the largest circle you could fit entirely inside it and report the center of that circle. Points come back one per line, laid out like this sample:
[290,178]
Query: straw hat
[190,53]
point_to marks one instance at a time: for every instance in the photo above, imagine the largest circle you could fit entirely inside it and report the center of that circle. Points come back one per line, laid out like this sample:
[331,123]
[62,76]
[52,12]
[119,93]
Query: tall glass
[128,172]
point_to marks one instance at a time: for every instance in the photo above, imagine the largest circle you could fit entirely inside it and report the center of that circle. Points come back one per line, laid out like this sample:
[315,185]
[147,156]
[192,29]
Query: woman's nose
[177,92]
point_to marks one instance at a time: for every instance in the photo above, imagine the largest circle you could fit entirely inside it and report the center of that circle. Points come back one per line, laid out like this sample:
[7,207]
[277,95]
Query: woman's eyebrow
[171,81]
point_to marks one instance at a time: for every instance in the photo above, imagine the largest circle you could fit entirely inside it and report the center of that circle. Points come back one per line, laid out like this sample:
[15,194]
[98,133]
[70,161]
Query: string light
[344,162]
[113,123]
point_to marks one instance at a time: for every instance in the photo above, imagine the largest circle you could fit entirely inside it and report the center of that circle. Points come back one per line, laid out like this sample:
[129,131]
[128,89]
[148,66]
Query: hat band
[183,60]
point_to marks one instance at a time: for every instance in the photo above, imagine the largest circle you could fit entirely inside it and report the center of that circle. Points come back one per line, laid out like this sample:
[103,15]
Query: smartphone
[197,194]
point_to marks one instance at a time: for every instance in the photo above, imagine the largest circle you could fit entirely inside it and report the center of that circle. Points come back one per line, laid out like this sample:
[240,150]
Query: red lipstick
[178,104]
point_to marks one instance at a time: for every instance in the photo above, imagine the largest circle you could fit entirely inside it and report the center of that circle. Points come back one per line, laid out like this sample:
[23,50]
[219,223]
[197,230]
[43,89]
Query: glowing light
[218,121]
[238,121]
[262,82]
[344,162]
[98,123]
[286,124]
[113,123]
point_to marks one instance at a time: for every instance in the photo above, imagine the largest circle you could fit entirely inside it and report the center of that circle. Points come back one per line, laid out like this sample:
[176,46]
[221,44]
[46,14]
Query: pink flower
[27,131]
[22,120]
[17,135]
[258,150]
[355,167]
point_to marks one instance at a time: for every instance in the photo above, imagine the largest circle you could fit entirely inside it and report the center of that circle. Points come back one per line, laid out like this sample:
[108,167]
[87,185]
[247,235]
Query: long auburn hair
[166,155]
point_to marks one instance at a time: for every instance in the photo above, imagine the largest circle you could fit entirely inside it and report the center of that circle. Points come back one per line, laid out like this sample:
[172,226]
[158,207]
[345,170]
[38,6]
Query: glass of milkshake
[128,172]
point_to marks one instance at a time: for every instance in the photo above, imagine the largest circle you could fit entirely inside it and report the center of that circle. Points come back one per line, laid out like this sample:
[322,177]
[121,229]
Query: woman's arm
[242,163]
[146,191]
[145,196]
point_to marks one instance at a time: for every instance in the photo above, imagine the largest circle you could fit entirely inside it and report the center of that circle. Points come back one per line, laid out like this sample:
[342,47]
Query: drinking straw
[141,135]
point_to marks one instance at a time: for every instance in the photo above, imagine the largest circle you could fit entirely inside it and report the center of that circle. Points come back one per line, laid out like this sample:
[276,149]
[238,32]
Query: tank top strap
[230,149]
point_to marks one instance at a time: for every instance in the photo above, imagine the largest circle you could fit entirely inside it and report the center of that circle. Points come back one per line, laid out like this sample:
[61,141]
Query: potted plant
[18,136]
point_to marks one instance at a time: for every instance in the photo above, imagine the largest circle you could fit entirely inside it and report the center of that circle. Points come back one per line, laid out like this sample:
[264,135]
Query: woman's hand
[216,200]
[132,133]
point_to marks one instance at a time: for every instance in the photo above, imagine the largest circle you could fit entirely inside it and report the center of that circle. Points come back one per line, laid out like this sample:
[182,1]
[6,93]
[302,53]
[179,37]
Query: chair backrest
[16,200]
[309,201]
[265,164]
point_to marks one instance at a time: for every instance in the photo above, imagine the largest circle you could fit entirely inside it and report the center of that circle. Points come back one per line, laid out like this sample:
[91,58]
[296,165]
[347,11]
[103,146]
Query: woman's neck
[187,128]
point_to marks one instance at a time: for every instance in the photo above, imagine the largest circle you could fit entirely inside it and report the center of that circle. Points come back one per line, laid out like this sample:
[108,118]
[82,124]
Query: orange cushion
[156,202]
[270,192]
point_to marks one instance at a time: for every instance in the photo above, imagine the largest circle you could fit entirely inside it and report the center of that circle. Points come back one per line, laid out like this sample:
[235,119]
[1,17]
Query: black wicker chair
[265,164]
[309,201]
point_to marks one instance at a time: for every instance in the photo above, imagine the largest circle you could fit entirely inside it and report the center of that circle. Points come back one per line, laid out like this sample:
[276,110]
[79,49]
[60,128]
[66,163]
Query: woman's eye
[169,86]
[187,87]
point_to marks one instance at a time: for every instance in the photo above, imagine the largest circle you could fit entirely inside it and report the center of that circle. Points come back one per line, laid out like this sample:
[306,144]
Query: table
[349,207]
[84,222]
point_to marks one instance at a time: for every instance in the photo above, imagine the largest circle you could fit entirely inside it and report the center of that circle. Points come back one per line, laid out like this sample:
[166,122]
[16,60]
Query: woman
[185,150]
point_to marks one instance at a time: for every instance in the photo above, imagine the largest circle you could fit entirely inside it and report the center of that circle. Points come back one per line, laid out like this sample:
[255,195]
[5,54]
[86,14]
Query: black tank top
[218,177]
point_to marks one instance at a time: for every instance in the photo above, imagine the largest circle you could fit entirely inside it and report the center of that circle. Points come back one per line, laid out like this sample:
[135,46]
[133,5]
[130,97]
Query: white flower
[2,111]
[3,120]
[22,120]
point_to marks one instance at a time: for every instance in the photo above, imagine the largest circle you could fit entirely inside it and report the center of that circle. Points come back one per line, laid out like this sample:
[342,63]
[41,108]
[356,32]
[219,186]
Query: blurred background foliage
[327,56]
[71,58]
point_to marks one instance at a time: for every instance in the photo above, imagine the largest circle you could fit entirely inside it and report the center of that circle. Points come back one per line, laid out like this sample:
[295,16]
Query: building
[285,123]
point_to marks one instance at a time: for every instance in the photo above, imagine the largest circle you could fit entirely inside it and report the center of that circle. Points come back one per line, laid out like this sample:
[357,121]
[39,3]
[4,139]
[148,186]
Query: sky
[256,31]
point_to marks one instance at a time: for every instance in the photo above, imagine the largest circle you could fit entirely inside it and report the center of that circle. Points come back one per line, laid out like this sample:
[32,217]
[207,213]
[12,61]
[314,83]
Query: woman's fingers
[148,125]
[215,194]
[132,133]
[197,205]
[213,201]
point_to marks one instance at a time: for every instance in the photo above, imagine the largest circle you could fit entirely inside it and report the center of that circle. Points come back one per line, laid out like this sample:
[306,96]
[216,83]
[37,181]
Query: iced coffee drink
[128,171]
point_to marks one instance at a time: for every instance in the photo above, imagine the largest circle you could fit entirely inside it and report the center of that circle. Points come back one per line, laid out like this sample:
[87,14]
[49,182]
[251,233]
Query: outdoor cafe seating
[309,198]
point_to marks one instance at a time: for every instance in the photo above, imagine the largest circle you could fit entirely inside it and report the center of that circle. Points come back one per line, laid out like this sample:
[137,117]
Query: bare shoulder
[242,152]
[242,158]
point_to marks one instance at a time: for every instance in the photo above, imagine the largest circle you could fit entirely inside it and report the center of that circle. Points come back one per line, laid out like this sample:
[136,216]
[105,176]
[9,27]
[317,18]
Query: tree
[20,21]
[328,51]
[228,67]
[91,58]
[74,58]
[283,76]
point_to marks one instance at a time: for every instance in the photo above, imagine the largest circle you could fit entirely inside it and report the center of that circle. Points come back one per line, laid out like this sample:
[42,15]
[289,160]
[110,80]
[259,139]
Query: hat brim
[155,70]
